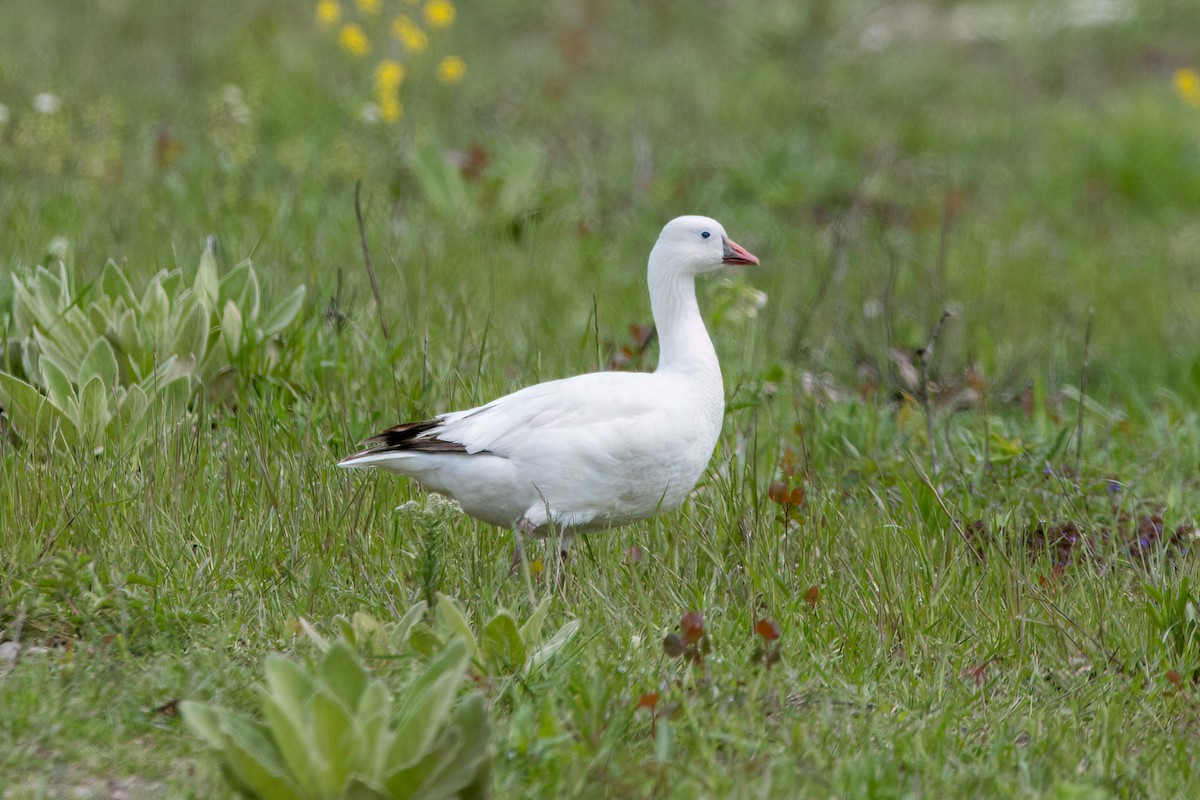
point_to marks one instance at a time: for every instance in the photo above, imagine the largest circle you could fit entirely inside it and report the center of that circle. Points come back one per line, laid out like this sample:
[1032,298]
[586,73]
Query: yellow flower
[410,35]
[389,73]
[1187,86]
[368,6]
[329,13]
[439,13]
[390,108]
[452,69]
[353,40]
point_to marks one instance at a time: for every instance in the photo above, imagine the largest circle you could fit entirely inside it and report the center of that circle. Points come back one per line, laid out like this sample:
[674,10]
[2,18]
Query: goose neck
[684,344]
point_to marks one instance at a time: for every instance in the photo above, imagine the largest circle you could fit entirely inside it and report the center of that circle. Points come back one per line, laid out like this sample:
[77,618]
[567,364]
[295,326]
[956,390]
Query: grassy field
[992,594]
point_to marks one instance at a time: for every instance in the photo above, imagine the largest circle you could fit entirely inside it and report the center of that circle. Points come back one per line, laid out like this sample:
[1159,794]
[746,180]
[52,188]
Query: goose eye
[705,235]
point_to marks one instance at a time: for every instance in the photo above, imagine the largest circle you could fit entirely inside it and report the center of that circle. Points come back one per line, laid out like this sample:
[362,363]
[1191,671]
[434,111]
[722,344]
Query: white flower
[370,113]
[872,309]
[59,246]
[4,116]
[47,103]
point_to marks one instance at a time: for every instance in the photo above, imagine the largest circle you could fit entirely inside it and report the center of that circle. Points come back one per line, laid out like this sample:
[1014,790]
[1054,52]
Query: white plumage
[597,450]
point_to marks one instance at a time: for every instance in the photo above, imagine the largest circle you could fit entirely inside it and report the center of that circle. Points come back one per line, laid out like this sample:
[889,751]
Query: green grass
[1022,182]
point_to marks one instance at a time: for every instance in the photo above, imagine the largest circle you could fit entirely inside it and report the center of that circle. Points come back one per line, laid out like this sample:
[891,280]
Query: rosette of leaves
[503,646]
[90,363]
[335,731]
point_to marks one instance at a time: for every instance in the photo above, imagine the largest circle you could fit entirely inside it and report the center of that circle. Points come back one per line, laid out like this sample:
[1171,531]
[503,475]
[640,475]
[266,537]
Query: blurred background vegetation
[1018,162]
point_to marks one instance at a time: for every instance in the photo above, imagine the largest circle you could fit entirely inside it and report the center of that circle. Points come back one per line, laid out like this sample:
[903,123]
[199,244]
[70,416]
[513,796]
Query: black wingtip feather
[413,436]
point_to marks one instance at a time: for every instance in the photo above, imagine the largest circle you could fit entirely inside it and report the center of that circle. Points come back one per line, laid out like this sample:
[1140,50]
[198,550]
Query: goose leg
[521,531]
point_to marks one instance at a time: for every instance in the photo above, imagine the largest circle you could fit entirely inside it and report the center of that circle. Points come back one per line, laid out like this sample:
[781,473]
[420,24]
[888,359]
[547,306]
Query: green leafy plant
[334,731]
[503,192]
[503,646]
[91,363]
[1173,614]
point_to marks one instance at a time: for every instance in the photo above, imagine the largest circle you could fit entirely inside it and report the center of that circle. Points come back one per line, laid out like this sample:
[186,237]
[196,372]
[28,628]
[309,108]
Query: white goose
[593,451]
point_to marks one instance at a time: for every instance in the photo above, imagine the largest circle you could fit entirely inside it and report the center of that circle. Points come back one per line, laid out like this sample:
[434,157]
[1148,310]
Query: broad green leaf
[24,307]
[411,780]
[403,627]
[342,671]
[426,703]
[367,633]
[360,788]
[93,412]
[557,642]
[243,750]
[240,285]
[48,346]
[502,645]
[424,639]
[291,736]
[335,742]
[231,329]
[114,283]
[255,762]
[99,362]
[31,414]
[284,311]
[374,713]
[288,683]
[50,297]
[58,386]
[531,630]
[172,282]
[129,342]
[470,743]
[103,314]
[205,720]
[453,622]
[207,285]
[191,335]
[126,423]
[155,321]
[75,334]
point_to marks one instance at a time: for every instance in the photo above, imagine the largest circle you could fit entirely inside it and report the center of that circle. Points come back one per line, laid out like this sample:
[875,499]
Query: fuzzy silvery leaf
[453,622]
[531,629]
[426,703]
[31,414]
[58,386]
[99,362]
[231,328]
[502,645]
[93,412]
[191,337]
[424,639]
[341,670]
[556,643]
[207,284]
[240,285]
[248,754]
[288,683]
[114,284]
[284,312]
[293,738]
[337,741]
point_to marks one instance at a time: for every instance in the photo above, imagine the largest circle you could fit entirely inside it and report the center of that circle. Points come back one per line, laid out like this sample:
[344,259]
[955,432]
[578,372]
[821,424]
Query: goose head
[692,246]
